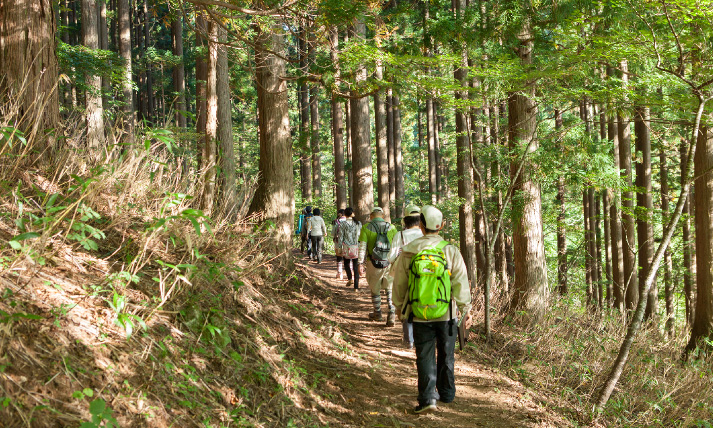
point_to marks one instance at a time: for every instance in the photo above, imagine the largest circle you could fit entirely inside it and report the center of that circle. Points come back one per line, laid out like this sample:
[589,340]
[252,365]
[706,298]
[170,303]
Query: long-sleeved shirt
[402,238]
[316,226]
[460,288]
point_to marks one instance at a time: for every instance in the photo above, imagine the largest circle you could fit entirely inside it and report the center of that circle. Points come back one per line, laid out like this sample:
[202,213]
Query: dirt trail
[380,390]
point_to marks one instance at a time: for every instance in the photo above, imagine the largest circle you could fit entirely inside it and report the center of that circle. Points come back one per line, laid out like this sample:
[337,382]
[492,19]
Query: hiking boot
[350,283]
[428,407]
[408,345]
[391,319]
[376,316]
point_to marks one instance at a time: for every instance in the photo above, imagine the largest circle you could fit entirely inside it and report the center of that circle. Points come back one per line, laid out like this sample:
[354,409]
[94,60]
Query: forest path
[380,389]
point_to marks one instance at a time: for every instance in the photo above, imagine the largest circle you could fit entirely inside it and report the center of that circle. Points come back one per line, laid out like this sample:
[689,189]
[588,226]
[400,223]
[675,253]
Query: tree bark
[104,45]
[363,185]
[338,128]
[668,262]
[201,79]
[464,167]
[645,208]
[314,142]
[150,99]
[561,226]
[398,161]
[628,225]
[703,165]
[614,216]
[306,153]
[390,144]
[689,265]
[430,115]
[274,194]
[209,159]
[125,52]
[179,73]
[229,190]
[530,286]
[348,164]
[382,147]
[28,70]
[94,115]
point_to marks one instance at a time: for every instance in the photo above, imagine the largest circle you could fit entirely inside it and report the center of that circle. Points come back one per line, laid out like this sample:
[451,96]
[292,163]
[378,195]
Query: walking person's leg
[355,266]
[408,333]
[373,277]
[424,335]
[320,247]
[313,253]
[340,267]
[445,362]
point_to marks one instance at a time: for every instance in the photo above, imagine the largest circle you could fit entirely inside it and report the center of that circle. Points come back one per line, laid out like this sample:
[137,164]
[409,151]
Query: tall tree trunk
[703,165]
[127,91]
[201,78]
[689,265]
[150,100]
[274,194]
[382,146]
[28,65]
[390,144]
[94,112]
[104,44]
[306,153]
[349,160]
[338,128]
[668,262]
[561,225]
[530,287]
[465,170]
[229,190]
[209,160]
[430,114]
[314,142]
[363,185]
[645,207]
[587,246]
[398,160]
[628,225]
[179,73]
[606,208]
[617,246]
[598,258]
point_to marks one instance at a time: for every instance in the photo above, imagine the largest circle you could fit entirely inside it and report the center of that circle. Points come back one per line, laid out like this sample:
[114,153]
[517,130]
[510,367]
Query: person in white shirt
[316,229]
[410,232]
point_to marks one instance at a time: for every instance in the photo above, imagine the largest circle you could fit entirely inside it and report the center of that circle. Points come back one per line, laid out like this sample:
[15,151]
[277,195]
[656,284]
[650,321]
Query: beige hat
[433,217]
[377,210]
[412,210]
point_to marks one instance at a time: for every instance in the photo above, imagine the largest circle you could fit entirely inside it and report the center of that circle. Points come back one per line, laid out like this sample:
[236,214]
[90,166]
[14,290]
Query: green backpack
[429,283]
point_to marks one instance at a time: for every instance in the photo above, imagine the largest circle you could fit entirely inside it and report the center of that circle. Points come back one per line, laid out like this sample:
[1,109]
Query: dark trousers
[348,265]
[308,242]
[317,247]
[435,361]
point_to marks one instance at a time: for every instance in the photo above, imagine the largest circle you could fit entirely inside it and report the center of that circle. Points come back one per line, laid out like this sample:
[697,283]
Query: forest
[155,156]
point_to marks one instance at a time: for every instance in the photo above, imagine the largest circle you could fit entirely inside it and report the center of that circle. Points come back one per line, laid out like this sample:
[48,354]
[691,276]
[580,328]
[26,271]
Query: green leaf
[88,392]
[97,407]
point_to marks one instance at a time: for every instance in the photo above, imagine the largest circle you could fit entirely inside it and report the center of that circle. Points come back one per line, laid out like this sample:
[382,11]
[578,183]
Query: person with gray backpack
[375,243]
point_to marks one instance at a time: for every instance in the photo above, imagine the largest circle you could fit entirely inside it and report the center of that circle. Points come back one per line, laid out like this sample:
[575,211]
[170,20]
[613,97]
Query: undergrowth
[123,305]
[567,357]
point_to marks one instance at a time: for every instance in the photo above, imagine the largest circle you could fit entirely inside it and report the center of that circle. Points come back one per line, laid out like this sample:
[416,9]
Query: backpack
[380,253]
[300,224]
[348,239]
[429,283]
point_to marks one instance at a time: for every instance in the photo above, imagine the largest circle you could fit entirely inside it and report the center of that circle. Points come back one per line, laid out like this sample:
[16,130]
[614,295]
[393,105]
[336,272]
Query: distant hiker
[375,243]
[337,248]
[427,269]
[410,232]
[304,234]
[316,230]
[348,240]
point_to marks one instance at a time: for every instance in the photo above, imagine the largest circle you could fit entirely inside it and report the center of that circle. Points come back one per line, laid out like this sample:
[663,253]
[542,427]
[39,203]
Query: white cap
[433,217]
[413,210]
[377,210]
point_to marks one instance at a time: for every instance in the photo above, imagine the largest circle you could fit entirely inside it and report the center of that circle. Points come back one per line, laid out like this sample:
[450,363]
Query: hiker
[307,213]
[316,230]
[337,248]
[423,272]
[348,240]
[410,232]
[375,243]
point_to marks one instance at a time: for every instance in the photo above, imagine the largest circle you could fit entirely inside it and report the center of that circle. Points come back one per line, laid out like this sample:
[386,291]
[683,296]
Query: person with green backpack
[375,243]
[431,288]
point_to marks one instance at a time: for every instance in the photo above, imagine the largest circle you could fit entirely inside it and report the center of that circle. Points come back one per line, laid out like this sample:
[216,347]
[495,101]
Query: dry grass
[568,356]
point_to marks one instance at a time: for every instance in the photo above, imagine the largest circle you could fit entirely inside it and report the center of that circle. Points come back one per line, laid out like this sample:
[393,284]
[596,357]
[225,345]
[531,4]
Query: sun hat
[432,217]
